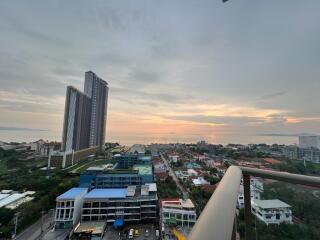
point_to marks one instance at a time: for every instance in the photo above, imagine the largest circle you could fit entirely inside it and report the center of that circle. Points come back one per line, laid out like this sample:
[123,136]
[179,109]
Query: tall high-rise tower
[85,115]
[97,89]
[76,119]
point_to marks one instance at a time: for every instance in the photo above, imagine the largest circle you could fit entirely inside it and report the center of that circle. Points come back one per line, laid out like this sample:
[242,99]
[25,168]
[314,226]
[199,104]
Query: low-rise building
[60,159]
[173,158]
[178,212]
[304,154]
[106,177]
[68,208]
[126,161]
[271,211]
[132,204]
[199,181]
[159,167]
[12,199]
[256,188]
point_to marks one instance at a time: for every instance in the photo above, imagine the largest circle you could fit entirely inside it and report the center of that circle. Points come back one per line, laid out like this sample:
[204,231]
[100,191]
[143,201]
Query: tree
[6,215]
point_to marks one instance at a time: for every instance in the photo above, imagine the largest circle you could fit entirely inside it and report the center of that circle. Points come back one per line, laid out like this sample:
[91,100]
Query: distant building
[256,188]
[160,168]
[12,199]
[68,208]
[100,177]
[36,146]
[137,149]
[271,211]
[85,115]
[199,181]
[308,141]
[126,161]
[178,212]
[49,147]
[77,115]
[97,90]
[173,158]
[60,159]
[133,204]
[304,154]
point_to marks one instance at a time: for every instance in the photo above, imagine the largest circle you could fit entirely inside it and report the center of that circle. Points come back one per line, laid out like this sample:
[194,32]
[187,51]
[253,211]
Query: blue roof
[72,193]
[118,223]
[145,158]
[107,193]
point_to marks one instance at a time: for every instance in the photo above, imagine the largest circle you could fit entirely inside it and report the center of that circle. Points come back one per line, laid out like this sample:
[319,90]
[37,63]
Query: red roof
[173,200]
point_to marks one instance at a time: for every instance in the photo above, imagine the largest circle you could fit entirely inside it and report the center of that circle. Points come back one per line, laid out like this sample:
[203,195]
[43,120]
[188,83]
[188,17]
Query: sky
[179,71]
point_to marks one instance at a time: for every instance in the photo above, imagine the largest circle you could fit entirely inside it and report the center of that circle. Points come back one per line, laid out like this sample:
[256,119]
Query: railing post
[247,206]
[234,232]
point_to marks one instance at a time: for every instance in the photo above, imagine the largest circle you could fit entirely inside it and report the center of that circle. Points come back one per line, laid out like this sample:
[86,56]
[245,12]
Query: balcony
[218,219]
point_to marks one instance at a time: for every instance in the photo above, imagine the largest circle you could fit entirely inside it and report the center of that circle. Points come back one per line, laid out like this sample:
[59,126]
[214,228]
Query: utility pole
[41,234]
[16,216]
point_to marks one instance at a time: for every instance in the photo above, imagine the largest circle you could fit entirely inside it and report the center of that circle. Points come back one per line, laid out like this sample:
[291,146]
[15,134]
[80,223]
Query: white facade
[173,158]
[256,187]
[200,181]
[309,141]
[68,208]
[271,211]
[160,167]
[178,211]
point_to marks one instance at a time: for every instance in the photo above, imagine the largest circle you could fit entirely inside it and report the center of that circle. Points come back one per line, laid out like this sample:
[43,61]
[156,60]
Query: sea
[130,139]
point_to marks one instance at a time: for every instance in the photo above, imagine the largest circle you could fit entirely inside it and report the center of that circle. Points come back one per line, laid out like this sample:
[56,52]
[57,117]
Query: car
[130,235]
[136,233]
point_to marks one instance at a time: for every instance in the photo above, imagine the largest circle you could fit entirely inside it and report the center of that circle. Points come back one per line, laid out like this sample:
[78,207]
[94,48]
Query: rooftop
[72,193]
[143,169]
[130,191]
[94,227]
[177,203]
[11,198]
[107,193]
[275,203]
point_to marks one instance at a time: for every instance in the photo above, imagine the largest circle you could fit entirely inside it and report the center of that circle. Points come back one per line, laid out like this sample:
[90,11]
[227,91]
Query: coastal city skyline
[216,72]
[159,120]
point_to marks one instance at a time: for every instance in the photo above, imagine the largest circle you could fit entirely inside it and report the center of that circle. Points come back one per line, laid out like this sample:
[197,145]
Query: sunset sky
[177,70]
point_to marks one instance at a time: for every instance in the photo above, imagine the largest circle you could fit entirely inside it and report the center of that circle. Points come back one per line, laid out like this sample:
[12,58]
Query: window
[86,211]
[87,205]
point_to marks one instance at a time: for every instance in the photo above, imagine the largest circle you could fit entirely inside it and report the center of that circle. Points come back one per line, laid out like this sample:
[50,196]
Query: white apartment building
[271,211]
[179,212]
[308,141]
[68,208]
[256,187]
[199,181]
[173,158]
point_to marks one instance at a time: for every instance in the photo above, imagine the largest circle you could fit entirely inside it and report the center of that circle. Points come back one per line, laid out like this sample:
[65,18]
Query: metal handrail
[217,220]
[283,176]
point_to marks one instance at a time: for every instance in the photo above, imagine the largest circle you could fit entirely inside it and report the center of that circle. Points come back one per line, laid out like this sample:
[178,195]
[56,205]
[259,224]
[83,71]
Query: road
[174,177]
[34,231]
